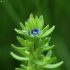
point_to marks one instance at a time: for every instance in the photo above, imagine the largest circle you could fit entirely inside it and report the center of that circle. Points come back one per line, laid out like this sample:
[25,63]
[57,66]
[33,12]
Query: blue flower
[35,32]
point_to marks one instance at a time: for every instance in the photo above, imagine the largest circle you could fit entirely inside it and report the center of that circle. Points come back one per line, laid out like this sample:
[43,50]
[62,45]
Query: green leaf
[40,22]
[44,48]
[43,42]
[25,43]
[49,54]
[26,35]
[51,60]
[36,22]
[50,66]
[18,31]
[48,61]
[30,23]
[48,57]
[18,57]
[39,61]
[28,28]
[22,26]
[22,41]
[48,32]
[44,30]
[20,49]
[23,66]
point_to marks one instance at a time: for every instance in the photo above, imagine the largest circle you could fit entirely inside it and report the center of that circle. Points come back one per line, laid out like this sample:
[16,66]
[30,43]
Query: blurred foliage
[55,12]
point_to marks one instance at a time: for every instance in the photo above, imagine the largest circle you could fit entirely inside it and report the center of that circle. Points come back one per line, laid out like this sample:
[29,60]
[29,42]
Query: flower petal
[35,32]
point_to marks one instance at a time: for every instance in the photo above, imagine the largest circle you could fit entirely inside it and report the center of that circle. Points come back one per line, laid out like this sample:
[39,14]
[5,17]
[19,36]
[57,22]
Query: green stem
[32,65]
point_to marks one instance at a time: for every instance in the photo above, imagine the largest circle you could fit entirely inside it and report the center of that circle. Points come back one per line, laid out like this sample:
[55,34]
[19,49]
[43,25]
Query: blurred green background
[55,12]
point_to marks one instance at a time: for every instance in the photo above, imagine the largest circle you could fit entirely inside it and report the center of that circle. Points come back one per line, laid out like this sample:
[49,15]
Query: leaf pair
[21,50]
[42,62]
[43,42]
[25,43]
[46,31]
[43,48]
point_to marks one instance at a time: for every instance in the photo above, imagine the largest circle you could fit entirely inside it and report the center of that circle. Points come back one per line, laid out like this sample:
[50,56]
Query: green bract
[34,43]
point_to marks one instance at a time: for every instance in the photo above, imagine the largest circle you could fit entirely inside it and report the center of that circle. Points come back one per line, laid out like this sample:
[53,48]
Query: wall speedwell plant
[34,43]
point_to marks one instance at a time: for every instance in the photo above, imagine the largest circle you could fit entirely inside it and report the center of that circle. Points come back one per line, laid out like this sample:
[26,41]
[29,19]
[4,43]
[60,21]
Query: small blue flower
[35,32]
